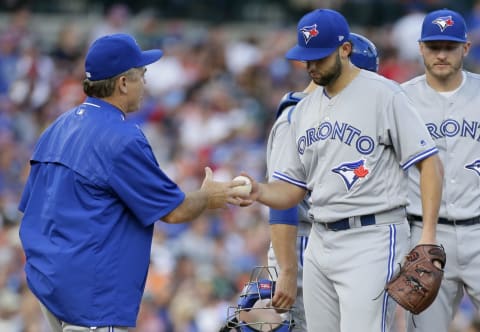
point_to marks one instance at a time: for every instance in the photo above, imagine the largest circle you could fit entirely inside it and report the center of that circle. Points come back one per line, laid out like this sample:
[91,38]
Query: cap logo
[443,22]
[309,32]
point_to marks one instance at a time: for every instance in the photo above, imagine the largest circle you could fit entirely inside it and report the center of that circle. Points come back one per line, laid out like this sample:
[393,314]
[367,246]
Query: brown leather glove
[416,286]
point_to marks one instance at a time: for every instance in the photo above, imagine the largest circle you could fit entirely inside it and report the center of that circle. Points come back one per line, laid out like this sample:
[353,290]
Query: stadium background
[211,101]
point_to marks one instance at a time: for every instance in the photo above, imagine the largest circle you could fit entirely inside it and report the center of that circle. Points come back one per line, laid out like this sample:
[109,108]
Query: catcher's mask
[254,312]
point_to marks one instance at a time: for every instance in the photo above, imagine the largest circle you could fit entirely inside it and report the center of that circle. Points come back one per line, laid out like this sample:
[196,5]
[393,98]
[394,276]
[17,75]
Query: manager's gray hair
[104,88]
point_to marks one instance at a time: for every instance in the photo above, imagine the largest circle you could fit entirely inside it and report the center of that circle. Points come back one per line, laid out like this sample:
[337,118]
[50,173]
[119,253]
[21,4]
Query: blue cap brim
[442,38]
[149,57]
[308,54]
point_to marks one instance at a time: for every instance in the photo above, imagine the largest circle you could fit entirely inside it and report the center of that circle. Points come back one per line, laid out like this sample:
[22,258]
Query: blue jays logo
[351,172]
[475,166]
[443,22]
[309,32]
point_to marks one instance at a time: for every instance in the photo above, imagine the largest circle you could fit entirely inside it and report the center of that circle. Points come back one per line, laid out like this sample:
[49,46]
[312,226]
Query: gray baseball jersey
[349,150]
[454,124]
[453,121]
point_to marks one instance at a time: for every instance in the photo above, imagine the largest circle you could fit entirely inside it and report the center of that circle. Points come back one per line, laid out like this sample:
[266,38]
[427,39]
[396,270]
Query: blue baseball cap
[444,24]
[320,33]
[111,55]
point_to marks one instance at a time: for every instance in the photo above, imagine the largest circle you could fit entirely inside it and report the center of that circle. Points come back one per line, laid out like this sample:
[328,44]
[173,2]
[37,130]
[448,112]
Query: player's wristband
[286,217]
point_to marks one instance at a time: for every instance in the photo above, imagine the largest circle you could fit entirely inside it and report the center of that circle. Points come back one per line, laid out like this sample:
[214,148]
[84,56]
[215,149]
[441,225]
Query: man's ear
[346,49]
[122,84]
[466,48]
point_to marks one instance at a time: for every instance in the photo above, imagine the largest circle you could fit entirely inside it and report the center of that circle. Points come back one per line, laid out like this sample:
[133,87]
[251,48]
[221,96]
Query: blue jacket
[92,197]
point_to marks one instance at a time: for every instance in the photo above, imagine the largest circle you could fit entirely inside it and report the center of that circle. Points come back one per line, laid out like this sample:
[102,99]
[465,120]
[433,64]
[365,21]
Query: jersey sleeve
[274,159]
[406,131]
[275,143]
[138,180]
[290,168]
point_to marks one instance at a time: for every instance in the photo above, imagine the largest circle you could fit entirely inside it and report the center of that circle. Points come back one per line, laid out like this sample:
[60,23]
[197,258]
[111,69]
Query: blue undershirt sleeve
[287,217]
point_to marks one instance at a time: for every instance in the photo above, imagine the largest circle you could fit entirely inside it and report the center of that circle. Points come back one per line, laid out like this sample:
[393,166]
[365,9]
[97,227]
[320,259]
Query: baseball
[244,189]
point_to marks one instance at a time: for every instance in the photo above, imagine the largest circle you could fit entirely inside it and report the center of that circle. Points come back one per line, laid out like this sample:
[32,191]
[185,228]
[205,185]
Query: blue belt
[344,224]
[445,221]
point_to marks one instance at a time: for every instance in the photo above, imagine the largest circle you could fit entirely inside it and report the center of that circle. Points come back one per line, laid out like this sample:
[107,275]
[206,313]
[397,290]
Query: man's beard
[443,75]
[332,74]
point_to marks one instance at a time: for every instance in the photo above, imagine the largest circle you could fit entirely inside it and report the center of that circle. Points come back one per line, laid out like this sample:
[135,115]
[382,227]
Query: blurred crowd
[211,101]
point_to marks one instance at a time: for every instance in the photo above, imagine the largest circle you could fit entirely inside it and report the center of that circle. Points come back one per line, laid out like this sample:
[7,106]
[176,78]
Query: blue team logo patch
[309,32]
[443,22]
[351,172]
[475,166]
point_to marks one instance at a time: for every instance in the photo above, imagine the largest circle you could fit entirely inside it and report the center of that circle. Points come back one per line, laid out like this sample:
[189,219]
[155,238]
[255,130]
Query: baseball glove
[416,286]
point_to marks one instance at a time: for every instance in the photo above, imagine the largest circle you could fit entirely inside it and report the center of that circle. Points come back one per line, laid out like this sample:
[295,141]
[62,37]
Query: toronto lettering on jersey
[451,128]
[340,131]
